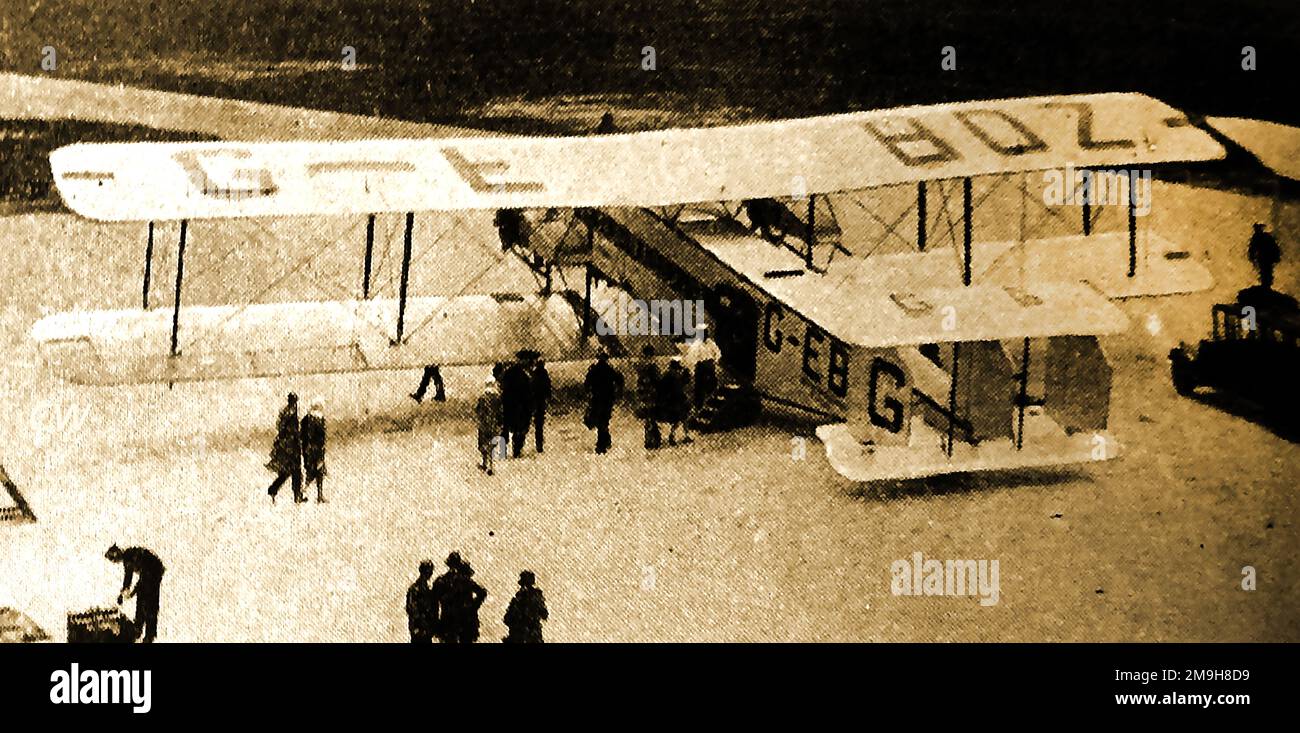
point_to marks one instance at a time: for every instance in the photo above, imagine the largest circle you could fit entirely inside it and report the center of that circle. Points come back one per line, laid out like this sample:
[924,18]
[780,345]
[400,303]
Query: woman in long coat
[313,448]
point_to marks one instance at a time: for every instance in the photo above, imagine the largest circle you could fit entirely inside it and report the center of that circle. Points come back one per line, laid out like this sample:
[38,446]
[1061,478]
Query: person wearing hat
[647,396]
[313,448]
[604,385]
[675,400]
[1264,253]
[487,414]
[458,600]
[526,612]
[517,401]
[147,570]
[421,606]
[286,452]
[541,395]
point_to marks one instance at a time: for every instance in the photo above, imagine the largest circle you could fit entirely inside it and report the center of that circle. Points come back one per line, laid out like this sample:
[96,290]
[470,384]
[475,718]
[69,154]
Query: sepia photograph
[686,321]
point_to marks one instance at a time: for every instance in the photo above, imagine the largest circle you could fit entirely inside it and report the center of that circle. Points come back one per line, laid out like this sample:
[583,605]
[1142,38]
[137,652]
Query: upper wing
[155,181]
[1277,146]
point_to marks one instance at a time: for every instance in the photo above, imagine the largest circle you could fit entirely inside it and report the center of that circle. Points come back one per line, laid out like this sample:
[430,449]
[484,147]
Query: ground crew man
[313,448]
[606,126]
[604,385]
[541,395]
[458,598]
[147,570]
[516,402]
[675,400]
[511,228]
[1264,254]
[526,612]
[421,607]
[702,357]
[286,452]
[647,389]
[764,214]
[432,374]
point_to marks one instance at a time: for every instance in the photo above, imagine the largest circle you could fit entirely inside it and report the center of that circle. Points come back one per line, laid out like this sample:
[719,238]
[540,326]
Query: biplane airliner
[960,352]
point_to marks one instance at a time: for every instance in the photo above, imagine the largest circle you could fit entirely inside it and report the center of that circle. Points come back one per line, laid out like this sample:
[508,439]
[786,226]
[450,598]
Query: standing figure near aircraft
[432,374]
[702,357]
[487,413]
[764,214]
[1264,253]
[516,402]
[147,570]
[606,126]
[675,400]
[313,448]
[526,612]
[458,598]
[286,452]
[511,228]
[604,385]
[541,395]
[647,392]
[421,607]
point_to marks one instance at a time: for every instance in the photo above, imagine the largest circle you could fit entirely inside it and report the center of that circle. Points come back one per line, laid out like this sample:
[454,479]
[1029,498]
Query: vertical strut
[966,230]
[810,235]
[148,266]
[920,216]
[586,300]
[1132,225]
[370,251]
[406,274]
[180,275]
[1024,394]
[952,394]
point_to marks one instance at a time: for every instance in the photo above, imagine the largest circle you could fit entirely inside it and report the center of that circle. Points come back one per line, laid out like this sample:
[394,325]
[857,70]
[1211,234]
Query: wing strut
[370,251]
[1024,395]
[1132,224]
[406,273]
[920,216]
[810,234]
[1087,214]
[180,276]
[952,395]
[966,233]
[148,266]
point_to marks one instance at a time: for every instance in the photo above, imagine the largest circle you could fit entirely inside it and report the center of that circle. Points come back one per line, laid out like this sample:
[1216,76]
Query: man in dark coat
[313,448]
[1264,254]
[421,607]
[647,396]
[512,228]
[526,612]
[541,396]
[286,452]
[604,385]
[458,598]
[147,570]
[516,402]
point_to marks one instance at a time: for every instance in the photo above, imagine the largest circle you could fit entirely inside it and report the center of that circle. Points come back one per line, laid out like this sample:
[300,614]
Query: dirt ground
[731,538]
